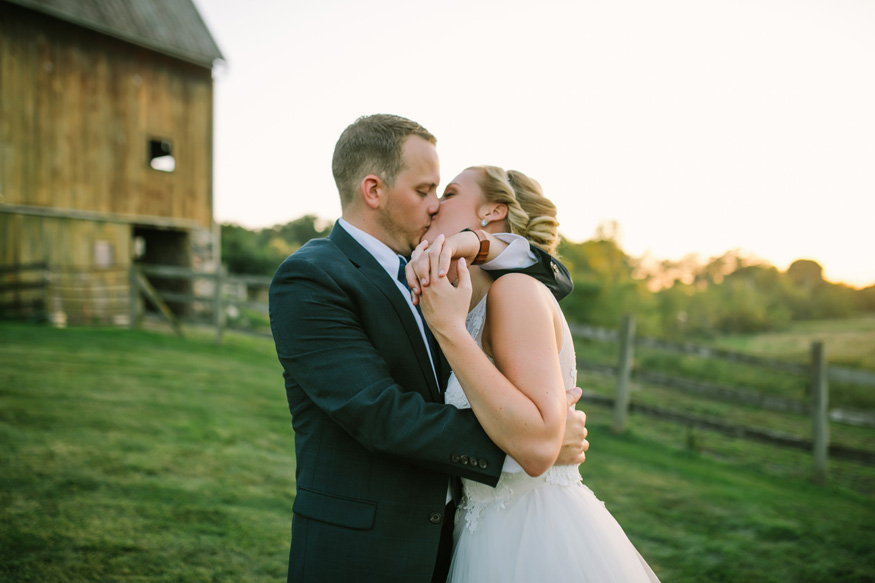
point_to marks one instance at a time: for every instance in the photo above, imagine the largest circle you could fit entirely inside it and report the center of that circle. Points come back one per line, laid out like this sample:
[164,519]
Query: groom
[375,445]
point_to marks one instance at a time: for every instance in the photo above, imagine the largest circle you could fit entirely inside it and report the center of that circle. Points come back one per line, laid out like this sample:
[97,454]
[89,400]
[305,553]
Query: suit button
[482,463]
[464,460]
[454,459]
[434,518]
[555,269]
[473,461]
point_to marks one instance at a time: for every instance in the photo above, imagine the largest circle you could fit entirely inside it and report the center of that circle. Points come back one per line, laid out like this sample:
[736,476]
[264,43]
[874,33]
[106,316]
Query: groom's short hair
[372,145]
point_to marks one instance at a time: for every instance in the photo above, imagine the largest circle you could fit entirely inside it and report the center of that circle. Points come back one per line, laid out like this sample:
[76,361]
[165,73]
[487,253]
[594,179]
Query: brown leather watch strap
[483,253]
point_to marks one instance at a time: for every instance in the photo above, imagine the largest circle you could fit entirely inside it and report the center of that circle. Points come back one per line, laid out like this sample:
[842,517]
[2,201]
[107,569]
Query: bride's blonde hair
[529,213]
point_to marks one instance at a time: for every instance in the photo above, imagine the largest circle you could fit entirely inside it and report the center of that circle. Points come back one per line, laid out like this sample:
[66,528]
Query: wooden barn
[106,132]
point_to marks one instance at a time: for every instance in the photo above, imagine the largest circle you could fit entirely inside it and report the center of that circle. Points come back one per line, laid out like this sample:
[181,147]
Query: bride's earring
[484,222]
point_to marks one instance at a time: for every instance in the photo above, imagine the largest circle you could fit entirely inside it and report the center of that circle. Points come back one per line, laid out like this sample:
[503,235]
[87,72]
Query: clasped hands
[431,263]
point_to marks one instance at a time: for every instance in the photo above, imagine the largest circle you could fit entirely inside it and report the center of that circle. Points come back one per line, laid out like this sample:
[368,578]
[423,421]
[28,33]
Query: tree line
[732,293]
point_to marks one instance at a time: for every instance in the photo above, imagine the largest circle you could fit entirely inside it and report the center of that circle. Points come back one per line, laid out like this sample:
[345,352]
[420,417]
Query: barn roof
[172,27]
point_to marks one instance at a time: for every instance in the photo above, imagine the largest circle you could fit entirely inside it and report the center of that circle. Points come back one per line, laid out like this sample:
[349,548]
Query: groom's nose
[434,205]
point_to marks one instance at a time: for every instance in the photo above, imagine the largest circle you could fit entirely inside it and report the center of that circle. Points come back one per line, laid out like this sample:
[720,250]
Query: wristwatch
[483,253]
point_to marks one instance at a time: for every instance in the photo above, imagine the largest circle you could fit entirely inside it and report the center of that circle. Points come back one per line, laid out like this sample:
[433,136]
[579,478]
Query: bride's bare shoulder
[517,291]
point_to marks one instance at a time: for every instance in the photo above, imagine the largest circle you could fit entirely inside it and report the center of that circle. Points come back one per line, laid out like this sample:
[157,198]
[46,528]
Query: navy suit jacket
[374,442]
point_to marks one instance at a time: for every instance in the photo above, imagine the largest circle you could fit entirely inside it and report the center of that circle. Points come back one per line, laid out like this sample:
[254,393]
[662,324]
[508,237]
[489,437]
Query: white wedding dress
[532,530]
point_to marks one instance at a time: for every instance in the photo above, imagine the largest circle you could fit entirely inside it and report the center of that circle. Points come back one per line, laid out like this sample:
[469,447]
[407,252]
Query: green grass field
[849,342]
[138,456]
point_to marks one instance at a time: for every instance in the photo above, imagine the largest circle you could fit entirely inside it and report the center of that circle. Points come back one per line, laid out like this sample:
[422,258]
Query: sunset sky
[700,126]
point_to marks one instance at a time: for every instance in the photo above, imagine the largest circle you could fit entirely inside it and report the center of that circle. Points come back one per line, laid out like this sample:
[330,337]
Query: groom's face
[412,199]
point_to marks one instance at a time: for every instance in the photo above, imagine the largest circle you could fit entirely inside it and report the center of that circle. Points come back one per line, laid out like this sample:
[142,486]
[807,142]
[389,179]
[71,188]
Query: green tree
[605,287]
[242,253]
[864,299]
[259,252]
[810,296]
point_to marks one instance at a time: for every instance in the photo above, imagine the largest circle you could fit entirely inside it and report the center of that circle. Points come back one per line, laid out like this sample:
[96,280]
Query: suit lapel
[374,273]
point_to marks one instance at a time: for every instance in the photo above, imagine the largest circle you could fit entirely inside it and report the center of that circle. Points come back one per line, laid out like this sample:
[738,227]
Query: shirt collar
[384,255]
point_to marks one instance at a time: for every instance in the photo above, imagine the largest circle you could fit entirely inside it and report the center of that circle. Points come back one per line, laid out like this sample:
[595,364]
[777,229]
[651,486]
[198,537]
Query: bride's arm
[463,244]
[507,253]
[521,404]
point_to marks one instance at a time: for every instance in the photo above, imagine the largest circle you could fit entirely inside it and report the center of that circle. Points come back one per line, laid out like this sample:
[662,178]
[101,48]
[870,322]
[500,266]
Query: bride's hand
[419,268]
[445,304]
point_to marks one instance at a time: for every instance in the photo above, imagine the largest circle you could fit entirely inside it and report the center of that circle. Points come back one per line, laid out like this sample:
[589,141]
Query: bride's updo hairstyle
[529,213]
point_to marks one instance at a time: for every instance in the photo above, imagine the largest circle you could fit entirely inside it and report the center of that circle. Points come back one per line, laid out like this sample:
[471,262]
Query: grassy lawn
[134,456]
[848,342]
[139,456]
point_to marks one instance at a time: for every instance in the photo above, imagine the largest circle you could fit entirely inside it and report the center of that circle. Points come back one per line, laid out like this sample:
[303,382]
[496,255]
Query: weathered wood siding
[88,263]
[77,111]
[63,243]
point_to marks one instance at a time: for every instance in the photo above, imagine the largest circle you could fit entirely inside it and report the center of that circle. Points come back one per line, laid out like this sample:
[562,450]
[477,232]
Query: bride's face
[460,207]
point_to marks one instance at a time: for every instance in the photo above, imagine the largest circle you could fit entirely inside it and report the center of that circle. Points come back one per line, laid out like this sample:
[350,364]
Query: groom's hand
[427,260]
[445,252]
[441,258]
[419,264]
[574,443]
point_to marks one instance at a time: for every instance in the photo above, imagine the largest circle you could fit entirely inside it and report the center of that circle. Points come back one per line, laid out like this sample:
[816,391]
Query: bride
[539,523]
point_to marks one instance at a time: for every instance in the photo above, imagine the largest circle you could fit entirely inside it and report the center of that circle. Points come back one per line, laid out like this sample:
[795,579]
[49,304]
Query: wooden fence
[114,295]
[210,293]
[62,295]
[216,300]
[24,291]
[817,407]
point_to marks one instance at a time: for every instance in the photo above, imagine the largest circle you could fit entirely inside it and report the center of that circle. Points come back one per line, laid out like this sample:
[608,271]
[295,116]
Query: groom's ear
[372,190]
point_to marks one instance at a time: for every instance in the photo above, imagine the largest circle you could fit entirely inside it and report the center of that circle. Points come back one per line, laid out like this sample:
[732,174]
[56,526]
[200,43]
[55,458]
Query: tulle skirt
[550,528]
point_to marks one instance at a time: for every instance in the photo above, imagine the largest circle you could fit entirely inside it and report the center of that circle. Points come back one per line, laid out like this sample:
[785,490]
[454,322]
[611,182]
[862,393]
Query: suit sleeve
[329,354]
[546,269]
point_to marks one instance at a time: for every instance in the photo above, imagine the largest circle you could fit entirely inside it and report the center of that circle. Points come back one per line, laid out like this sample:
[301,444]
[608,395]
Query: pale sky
[700,126]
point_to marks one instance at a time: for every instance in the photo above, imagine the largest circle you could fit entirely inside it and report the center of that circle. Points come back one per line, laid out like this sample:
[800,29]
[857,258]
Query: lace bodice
[474,323]
[513,479]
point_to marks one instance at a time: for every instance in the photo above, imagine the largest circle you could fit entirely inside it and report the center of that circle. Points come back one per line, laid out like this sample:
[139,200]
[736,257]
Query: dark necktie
[431,341]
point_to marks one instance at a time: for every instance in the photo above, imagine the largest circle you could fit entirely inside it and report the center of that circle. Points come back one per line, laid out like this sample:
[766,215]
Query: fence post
[134,308]
[819,411]
[218,310]
[47,281]
[624,371]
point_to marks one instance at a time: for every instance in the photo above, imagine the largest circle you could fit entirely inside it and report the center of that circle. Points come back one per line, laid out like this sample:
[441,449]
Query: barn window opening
[161,155]
[104,254]
[139,247]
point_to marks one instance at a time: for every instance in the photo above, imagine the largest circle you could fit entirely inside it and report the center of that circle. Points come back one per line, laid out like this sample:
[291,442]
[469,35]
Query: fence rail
[737,395]
[24,290]
[215,293]
[759,434]
[224,292]
[818,372]
[836,373]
